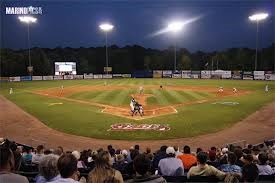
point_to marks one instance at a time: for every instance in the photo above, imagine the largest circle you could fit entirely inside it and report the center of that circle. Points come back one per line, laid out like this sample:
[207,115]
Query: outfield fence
[184,74]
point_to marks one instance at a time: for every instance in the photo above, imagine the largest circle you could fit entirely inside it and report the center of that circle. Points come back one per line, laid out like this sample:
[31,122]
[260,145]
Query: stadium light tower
[106,27]
[257,18]
[175,27]
[28,20]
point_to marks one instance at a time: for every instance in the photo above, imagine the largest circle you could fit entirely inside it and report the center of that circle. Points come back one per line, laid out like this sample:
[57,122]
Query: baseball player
[220,90]
[266,88]
[62,87]
[132,105]
[11,91]
[141,90]
[235,90]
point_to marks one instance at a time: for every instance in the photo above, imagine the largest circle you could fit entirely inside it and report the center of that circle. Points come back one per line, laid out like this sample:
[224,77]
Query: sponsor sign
[259,75]
[89,76]
[97,76]
[157,74]
[117,75]
[107,76]
[126,75]
[25,78]
[78,76]
[226,75]
[186,74]
[4,79]
[270,77]
[17,78]
[139,127]
[68,77]
[47,77]
[58,77]
[167,74]
[247,75]
[37,78]
[205,74]
[108,69]
[236,74]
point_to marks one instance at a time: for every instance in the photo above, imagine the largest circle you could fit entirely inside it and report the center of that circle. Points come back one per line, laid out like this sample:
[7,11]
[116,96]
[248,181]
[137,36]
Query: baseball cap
[170,150]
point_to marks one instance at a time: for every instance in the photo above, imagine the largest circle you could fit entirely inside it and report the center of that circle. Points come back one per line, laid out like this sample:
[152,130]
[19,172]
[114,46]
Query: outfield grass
[191,120]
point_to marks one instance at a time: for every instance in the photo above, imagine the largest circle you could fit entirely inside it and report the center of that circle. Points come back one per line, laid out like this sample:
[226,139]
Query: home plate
[51,104]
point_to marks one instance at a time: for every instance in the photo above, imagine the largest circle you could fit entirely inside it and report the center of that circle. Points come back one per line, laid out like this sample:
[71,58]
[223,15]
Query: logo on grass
[227,103]
[138,127]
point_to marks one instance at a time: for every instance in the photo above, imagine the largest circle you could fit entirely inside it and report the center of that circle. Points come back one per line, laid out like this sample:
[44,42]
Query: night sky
[69,23]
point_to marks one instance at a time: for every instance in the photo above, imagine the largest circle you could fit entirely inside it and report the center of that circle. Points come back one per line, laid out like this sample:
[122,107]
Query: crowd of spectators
[228,164]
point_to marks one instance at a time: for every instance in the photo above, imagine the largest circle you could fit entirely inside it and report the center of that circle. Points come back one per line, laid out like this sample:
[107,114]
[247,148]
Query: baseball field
[184,108]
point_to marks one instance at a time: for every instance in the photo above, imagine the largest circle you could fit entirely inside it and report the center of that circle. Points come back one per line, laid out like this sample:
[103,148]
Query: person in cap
[170,166]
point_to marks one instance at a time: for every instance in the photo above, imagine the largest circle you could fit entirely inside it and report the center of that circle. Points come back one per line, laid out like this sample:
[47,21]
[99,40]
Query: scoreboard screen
[65,68]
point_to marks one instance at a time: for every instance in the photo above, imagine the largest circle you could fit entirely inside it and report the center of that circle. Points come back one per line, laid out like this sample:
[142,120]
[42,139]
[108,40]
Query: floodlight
[175,26]
[106,27]
[258,16]
[27,19]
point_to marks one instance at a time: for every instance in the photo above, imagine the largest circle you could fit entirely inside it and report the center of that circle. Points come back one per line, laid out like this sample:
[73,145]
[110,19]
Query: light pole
[175,27]
[28,20]
[106,27]
[257,18]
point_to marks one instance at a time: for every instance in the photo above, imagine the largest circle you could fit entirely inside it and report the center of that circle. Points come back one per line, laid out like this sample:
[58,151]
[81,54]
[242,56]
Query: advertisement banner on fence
[259,75]
[247,75]
[25,78]
[117,75]
[107,76]
[89,76]
[269,75]
[176,74]
[186,74]
[78,76]
[226,75]
[236,74]
[47,77]
[68,77]
[97,76]
[195,74]
[157,74]
[167,74]
[16,78]
[4,79]
[37,78]
[126,75]
[58,77]
[205,74]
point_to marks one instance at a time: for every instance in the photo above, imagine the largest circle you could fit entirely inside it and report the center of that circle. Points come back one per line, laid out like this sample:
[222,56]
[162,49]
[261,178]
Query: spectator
[239,154]
[36,158]
[198,150]
[67,167]
[188,160]
[137,147]
[263,167]
[48,170]
[142,166]
[170,166]
[80,164]
[230,167]
[213,159]
[149,154]
[178,153]
[103,171]
[129,168]
[7,166]
[159,155]
[91,160]
[250,172]
[202,169]
[120,163]
[27,156]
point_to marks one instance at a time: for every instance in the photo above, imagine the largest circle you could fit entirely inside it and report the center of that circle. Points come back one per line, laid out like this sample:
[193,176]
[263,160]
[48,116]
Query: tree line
[130,58]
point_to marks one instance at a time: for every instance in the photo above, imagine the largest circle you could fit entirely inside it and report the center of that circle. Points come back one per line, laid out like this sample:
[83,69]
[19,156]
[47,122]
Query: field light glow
[106,27]
[175,26]
[27,19]
[258,16]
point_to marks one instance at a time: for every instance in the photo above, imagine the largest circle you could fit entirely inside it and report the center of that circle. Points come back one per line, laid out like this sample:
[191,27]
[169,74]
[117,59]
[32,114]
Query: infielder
[220,90]
[235,90]
[141,90]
